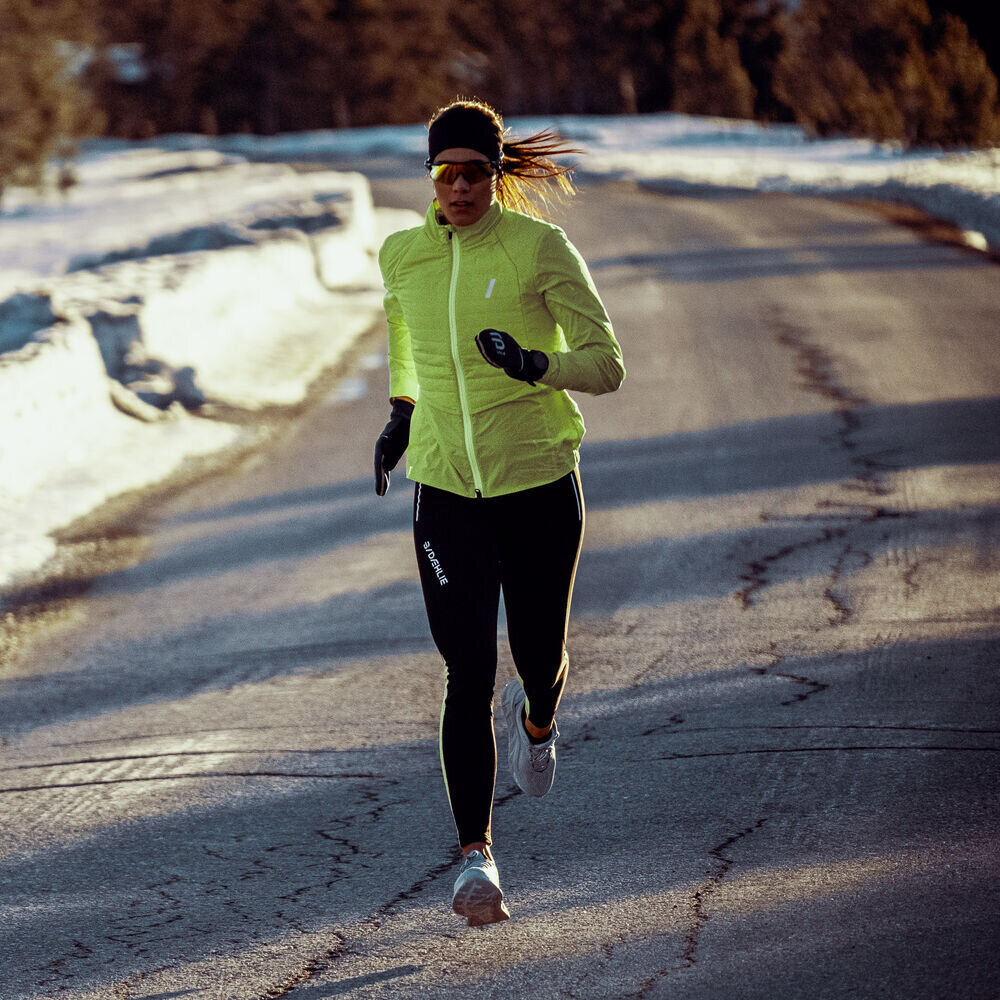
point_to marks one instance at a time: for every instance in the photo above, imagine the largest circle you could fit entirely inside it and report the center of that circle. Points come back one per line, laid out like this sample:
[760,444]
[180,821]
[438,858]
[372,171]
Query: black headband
[464,128]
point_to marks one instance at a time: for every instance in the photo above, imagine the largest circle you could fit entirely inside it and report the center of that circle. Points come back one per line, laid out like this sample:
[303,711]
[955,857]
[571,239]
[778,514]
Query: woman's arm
[593,362]
[395,437]
[402,371]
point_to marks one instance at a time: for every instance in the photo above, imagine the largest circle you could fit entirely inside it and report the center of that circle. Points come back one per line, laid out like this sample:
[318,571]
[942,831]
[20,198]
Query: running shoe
[478,895]
[532,764]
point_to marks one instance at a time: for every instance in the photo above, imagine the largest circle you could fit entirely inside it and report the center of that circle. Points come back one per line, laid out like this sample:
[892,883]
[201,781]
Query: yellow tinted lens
[473,171]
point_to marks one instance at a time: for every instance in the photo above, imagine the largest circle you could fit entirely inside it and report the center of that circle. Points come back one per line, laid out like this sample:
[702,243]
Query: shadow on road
[771,454]
[787,452]
[389,620]
[356,983]
[317,854]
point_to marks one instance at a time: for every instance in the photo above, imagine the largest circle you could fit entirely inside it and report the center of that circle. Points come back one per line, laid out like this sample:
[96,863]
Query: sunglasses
[473,171]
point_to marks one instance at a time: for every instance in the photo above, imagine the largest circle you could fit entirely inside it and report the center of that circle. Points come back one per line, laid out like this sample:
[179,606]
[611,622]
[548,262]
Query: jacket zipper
[477,478]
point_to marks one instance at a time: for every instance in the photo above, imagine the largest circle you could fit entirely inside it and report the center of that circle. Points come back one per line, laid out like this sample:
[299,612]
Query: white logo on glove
[497,342]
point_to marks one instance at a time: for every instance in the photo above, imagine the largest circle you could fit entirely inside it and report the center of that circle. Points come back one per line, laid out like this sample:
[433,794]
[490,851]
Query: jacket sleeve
[593,362]
[402,372]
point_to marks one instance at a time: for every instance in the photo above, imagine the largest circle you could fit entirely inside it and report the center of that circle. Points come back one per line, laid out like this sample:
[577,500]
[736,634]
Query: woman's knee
[470,686]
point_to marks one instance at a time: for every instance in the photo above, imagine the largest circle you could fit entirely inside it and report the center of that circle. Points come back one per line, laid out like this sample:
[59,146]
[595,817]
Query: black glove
[392,443]
[502,351]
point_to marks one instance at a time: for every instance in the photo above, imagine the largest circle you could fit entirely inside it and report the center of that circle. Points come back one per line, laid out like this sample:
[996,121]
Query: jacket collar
[439,230]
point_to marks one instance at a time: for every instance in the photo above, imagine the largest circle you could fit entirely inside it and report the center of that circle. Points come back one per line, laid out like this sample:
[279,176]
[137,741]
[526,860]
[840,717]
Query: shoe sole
[481,902]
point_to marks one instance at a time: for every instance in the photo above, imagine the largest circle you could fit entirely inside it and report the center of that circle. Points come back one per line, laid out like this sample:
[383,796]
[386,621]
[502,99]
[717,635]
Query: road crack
[758,571]
[721,863]
[756,574]
[810,686]
[816,368]
[842,610]
[670,725]
[122,758]
[313,968]
[415,888]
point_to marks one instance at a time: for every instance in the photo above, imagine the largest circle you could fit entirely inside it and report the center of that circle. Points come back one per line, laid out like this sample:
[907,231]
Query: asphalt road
[778,776]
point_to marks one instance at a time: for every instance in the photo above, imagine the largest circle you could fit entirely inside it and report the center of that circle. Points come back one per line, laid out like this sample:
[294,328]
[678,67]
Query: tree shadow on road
[388,621]
[662,568]
[332,855]
[780,453]
[345,986]
[787,452]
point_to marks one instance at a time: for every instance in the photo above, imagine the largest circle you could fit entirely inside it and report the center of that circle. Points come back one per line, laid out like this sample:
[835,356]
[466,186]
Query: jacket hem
[470,492]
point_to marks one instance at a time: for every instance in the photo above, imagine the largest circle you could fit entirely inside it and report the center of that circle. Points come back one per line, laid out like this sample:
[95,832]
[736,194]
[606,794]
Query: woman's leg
[459,574]
[542,531]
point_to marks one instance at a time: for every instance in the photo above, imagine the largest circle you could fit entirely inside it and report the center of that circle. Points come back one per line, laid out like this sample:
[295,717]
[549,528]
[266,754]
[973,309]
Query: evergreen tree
[759,26]
[402,60]
[270,66]
[185,45]
[42,110]
[565,56]
[709,78]
[966,89]
[650,27]
[888,70]
[602,54]
[884,68]
[980,20]
[517,55]
[643,38]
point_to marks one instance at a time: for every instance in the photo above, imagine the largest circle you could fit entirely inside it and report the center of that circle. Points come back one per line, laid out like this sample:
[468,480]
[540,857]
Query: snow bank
[166,279]
[66,448]
[134,203]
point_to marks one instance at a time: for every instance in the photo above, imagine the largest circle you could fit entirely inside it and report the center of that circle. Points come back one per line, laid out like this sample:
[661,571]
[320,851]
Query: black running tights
[526,544]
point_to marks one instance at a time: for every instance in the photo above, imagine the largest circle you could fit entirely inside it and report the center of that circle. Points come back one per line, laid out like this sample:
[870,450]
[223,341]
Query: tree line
[916,71]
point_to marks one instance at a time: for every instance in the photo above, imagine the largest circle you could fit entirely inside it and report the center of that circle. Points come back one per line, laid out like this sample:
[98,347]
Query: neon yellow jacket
[476,431]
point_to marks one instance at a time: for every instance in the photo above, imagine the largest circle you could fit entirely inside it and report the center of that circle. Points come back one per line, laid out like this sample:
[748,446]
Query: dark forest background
[917,71]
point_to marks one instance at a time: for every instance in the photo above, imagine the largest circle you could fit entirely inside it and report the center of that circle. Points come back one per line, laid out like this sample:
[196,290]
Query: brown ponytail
[529,177]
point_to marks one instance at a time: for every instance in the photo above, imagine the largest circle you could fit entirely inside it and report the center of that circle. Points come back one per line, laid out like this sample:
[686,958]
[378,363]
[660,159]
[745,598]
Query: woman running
[492,316]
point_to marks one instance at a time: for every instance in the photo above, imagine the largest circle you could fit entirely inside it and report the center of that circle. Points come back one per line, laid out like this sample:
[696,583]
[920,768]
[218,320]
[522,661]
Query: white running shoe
[532,764]
[478,895]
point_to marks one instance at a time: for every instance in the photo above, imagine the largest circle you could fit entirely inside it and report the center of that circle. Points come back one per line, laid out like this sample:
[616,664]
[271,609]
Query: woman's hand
[392,443]
[502,351]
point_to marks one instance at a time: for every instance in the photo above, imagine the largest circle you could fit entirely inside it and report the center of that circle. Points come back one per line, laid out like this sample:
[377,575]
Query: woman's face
[463,203]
